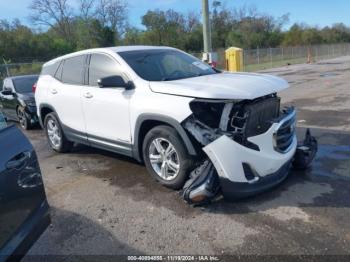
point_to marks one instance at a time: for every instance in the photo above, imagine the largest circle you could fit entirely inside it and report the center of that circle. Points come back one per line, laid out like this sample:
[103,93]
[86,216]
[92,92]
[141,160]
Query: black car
[24,211]
[17,100]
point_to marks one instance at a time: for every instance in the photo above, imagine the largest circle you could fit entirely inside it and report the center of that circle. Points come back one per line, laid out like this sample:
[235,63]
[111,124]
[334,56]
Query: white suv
[174,113]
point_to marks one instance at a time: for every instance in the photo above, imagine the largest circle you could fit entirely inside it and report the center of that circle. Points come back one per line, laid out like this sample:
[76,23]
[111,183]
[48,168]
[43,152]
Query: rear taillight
[34,88]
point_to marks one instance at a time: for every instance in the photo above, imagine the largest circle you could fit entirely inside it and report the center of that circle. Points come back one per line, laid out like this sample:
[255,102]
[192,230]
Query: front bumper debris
[306,152]
[203,184]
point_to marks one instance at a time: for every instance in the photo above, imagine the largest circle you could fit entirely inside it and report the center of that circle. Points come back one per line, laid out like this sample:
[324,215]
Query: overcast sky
[313,12]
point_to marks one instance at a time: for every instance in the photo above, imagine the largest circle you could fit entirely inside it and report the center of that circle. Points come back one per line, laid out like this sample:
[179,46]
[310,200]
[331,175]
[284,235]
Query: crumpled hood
[223,86]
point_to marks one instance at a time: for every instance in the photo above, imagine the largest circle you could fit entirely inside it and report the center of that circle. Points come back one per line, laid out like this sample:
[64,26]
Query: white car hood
[223,86]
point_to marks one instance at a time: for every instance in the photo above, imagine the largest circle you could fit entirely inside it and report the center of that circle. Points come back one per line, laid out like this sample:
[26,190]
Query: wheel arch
[146,122]
[44,109]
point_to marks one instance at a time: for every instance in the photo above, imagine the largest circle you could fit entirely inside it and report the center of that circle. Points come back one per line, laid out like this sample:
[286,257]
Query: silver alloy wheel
[54,133]
[164,159]
[22,118]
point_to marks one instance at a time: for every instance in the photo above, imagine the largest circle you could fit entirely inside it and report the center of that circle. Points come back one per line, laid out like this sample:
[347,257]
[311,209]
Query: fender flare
[166,119]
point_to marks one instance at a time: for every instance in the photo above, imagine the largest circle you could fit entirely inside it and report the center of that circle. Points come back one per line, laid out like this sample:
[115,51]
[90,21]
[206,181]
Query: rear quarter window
[50,69]
[58,74]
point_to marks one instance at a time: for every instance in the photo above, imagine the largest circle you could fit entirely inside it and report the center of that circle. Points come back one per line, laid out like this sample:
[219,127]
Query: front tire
[166,157]
[55,135]
[24,121]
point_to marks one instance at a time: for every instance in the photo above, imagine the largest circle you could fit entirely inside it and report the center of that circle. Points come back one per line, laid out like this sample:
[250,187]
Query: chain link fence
[265,58]
[16,69]
[258,59]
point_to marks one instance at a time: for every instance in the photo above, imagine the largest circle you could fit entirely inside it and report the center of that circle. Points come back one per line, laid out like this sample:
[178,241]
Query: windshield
[24,84]
[165,64]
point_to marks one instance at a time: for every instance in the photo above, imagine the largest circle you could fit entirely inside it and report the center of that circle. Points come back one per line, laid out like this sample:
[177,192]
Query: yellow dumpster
[234,59]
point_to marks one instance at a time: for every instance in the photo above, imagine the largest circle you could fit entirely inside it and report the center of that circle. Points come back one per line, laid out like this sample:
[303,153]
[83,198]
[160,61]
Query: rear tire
[55,134]
[166,157]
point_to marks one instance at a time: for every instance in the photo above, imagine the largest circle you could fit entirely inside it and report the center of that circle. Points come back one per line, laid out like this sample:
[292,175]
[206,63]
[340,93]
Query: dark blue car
[24,211]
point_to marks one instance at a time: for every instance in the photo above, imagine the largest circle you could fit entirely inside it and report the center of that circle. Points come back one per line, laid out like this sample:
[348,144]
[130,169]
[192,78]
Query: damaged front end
[246,147]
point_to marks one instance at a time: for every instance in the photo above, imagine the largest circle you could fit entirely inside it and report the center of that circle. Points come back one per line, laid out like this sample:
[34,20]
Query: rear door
[65,93]
[23,206]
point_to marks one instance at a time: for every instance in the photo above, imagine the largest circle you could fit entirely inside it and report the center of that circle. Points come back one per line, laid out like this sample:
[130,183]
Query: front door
[106,110]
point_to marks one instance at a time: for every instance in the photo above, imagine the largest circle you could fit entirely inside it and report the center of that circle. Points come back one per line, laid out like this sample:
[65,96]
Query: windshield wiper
[207,74]
[166,79]
[172,79]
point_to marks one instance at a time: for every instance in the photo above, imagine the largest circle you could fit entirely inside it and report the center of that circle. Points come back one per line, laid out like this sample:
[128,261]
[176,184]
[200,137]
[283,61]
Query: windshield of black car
[24,84]
[165,64]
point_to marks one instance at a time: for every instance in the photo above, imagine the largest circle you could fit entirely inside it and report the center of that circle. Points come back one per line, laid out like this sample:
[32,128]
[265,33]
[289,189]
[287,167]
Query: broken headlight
[236,119]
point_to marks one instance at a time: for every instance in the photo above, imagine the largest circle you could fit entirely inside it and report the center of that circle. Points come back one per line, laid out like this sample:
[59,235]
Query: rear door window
[73,70]
[102,66]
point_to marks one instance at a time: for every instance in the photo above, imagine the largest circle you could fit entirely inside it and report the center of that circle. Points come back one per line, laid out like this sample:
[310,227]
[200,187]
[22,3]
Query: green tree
[294,36]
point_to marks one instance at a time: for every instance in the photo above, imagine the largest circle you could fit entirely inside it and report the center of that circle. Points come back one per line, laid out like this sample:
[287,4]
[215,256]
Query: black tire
[64,144]
[24,121]
[184,159]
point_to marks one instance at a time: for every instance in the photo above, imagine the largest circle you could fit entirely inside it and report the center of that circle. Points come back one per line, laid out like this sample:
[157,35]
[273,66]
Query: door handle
[18,160]
[88,95]
[54,91]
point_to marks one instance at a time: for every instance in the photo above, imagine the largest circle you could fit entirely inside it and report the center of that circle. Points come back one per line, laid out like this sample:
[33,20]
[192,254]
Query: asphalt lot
[105,204]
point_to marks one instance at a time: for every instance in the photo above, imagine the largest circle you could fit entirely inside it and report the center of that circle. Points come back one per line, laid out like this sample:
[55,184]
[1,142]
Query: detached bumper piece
[202,186]
[306,152]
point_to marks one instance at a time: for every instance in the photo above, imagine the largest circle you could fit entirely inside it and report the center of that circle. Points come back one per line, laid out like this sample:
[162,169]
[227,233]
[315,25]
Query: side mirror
[114,81]
[7,92]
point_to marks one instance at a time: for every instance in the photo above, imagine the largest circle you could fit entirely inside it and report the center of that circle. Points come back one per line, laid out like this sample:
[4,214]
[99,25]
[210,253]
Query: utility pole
[7,69]
[209,56]
[206,27]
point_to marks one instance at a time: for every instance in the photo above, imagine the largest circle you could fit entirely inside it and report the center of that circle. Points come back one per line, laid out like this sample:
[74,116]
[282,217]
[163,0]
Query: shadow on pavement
[72,236]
